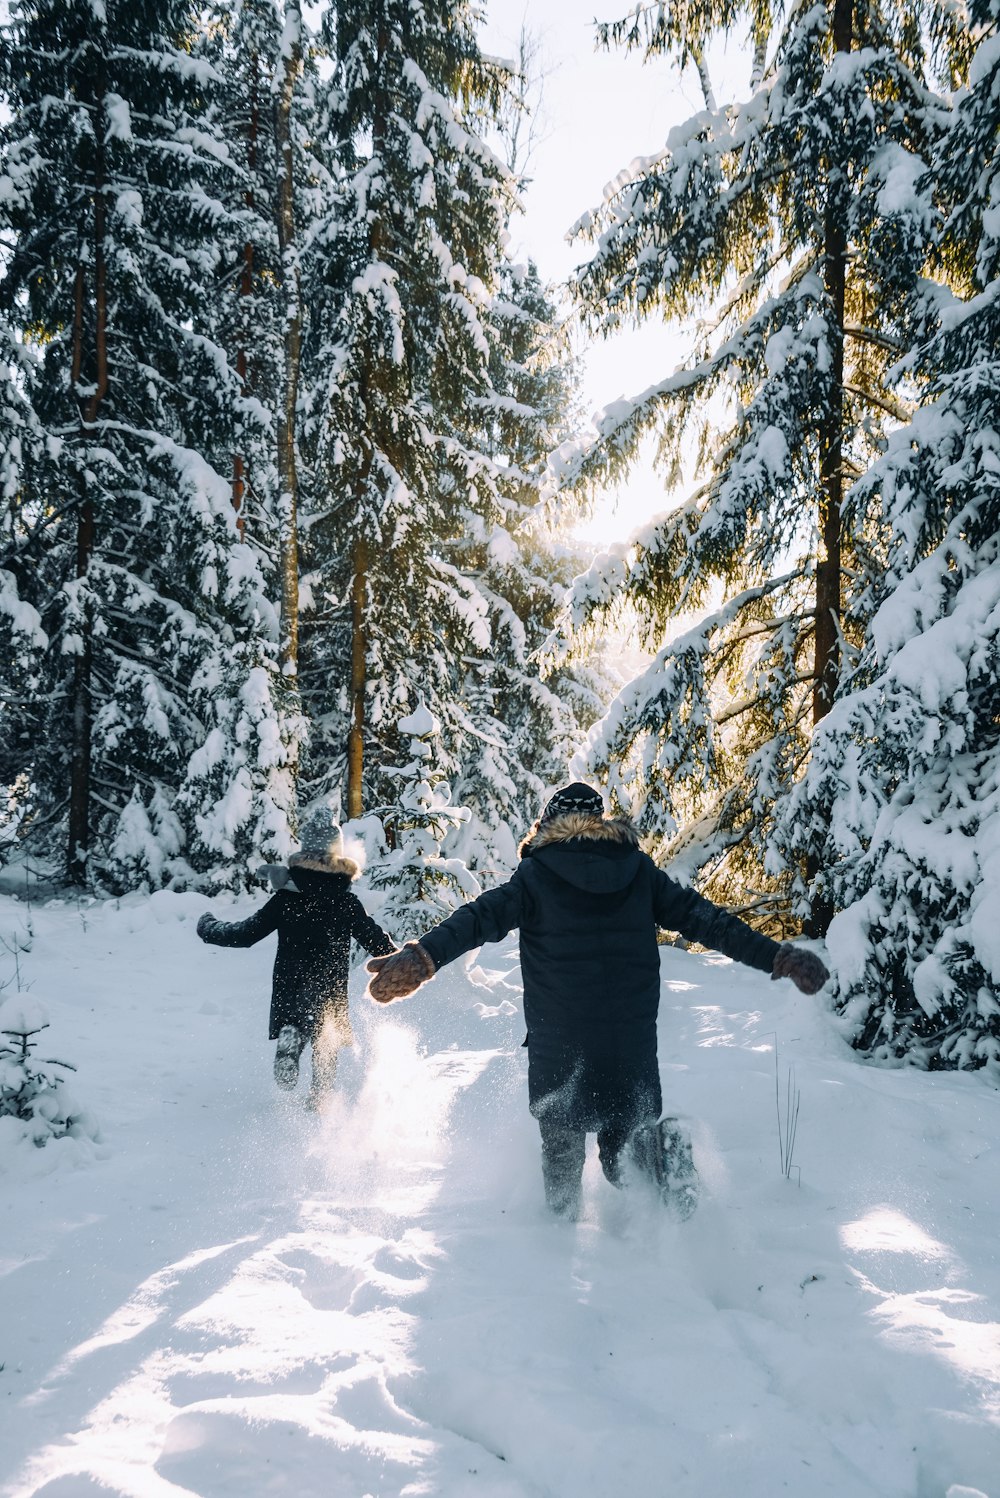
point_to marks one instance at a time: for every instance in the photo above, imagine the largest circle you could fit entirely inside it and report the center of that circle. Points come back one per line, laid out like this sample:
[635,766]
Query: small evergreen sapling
[16,939]
[32,1089]
[16,807]
[423,885]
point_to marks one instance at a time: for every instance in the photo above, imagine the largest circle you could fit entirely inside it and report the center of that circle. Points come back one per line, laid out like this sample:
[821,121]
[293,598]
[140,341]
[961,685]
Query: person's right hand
[205,923]
[804,968]
[400,973]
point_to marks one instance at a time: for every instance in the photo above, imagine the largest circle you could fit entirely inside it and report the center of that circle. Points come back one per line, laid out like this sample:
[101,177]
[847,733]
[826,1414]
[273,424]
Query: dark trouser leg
[324,1065]
[611,1142]
[634,1113]
[331,1030]
[646,1150]
[563,1153]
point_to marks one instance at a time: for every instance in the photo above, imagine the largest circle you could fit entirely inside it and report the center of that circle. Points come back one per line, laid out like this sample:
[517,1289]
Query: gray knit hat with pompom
[321,839]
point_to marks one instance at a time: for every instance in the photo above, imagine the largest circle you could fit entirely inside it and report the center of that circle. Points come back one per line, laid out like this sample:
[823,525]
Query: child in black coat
[315,915]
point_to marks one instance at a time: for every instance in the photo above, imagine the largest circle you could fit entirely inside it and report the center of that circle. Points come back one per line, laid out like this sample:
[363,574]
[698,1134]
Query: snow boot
[286,1056]
[662,1152]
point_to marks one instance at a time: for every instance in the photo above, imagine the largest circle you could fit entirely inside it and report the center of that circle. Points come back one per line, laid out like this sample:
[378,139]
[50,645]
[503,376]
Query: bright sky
[598,112]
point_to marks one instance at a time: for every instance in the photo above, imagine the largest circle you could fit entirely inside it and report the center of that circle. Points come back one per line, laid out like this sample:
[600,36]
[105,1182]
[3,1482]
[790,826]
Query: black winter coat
[587,902]
[314,927]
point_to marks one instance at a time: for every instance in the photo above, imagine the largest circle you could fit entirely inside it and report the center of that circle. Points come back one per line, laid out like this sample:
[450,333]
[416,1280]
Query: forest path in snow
[243,1298]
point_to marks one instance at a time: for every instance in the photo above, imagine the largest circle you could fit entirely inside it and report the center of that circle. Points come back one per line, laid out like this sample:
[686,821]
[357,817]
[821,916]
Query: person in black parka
[316,916]
[587,902]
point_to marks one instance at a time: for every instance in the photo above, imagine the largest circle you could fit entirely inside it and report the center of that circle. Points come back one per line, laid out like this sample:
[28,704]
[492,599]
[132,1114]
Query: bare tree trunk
[82,693]
[290,64]
[705,78]
[245,294]
[359,549]
[359,650]
[831,475]
[759,63]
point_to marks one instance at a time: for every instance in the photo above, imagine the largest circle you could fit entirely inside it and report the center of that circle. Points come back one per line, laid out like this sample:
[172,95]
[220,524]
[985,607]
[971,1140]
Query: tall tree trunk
[82,694]
[370,403]
[831,476]
[359,652]
[290,63]
[245,318]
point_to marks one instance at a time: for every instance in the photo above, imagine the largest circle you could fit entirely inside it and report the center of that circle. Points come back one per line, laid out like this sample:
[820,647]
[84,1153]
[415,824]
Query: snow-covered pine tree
[795,225]
[126,542]
[240,792]
[423,885]
[243,45]
[287,78]
[523,721]
[22,639]
[401,278]
[907,765]
[518,731]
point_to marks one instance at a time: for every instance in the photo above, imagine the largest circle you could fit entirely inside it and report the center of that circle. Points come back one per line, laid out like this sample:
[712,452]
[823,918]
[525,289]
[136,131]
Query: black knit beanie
[575,797]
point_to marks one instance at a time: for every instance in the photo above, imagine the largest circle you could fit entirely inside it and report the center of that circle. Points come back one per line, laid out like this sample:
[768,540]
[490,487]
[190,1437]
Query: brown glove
[400,973]
[802,966]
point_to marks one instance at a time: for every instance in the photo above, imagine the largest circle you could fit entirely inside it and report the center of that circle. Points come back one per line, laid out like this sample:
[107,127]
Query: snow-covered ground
[230,1296]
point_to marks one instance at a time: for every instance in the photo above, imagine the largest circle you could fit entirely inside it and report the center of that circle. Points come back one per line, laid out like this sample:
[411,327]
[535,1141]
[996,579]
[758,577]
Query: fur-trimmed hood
[281,877]
[573,824]
[341,865]
[597,854]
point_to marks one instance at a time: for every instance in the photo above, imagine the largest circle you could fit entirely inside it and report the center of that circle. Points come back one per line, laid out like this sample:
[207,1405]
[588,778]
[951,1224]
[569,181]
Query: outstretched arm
[241,933]
[697,919]
[488,918]
[366,932]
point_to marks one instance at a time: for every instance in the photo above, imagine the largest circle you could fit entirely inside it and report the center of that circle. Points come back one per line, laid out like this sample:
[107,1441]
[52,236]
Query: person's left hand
[400,973]
[205,923]
[804,968]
